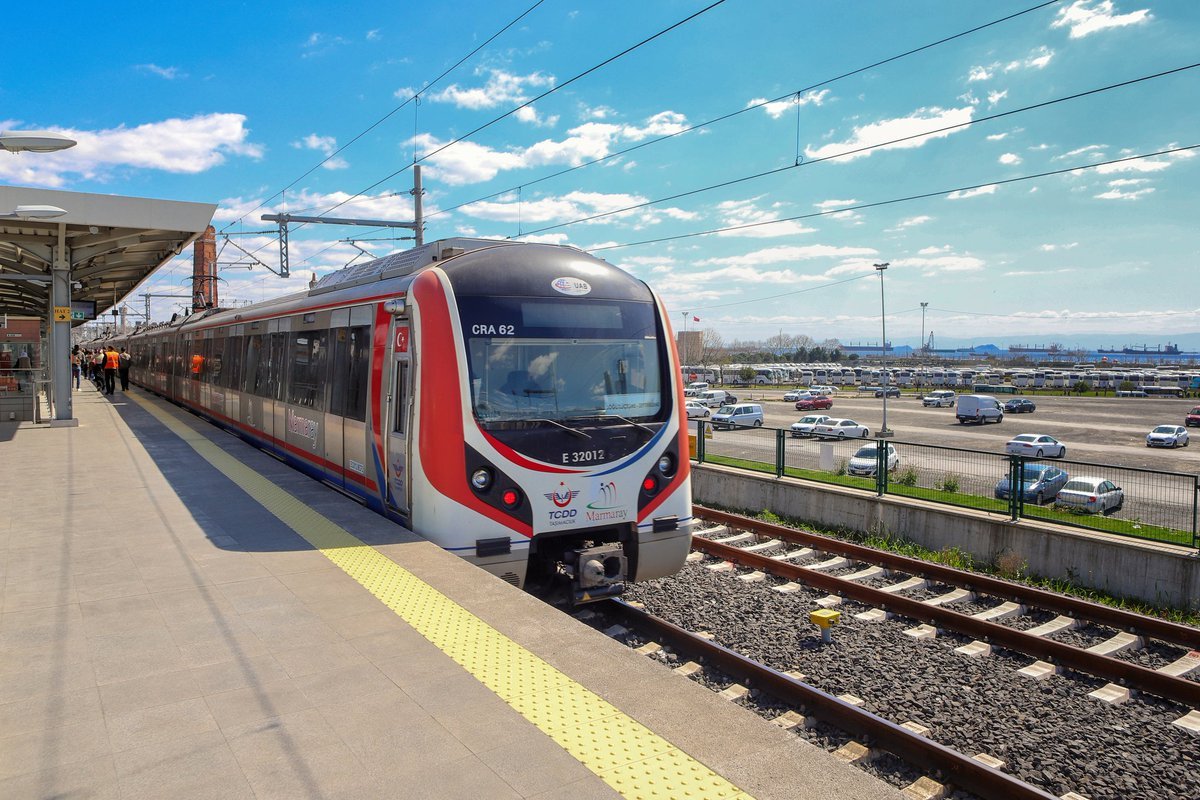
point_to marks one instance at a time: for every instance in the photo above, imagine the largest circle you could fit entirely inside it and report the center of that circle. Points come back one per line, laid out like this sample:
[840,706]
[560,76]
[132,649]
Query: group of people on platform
[102,366]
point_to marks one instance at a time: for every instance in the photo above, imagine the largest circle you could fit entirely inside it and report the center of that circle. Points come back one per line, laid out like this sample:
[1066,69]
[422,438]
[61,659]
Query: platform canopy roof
[115,243]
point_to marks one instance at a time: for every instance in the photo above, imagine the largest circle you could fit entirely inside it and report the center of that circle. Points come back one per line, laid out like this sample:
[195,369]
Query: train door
[399,419]
[356,434]
[335,376]
[274,409]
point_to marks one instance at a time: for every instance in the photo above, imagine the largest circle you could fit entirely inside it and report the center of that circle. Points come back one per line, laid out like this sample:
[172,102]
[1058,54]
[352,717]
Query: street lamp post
[884,432]
[923,307]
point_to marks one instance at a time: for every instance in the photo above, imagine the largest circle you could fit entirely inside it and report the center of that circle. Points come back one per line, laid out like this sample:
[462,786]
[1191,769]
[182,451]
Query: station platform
[184,616]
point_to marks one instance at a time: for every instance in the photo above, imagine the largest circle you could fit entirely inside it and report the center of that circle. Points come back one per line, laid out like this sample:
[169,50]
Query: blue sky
[233,104]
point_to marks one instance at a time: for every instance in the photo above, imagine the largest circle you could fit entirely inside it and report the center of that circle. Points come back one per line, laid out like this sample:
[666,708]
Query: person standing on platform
[124,360]
[112,361]
[98,368]
[76,369]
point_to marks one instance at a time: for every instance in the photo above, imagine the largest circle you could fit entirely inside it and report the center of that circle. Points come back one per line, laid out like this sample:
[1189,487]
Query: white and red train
[517,404]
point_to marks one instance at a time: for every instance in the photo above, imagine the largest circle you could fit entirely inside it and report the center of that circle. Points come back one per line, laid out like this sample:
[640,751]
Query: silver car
[1091,494]
[1167,436]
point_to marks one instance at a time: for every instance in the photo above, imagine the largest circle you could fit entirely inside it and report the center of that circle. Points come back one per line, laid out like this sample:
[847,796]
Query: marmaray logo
[608,496]
[563,497]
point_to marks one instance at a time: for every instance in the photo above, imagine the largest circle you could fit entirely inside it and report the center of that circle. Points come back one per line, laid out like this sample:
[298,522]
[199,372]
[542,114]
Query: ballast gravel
[1049,732]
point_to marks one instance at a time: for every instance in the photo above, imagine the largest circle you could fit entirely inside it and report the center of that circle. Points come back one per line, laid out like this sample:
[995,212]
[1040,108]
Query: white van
[979,408]
[940,398]
[695,388]
[741,415]
[715,398]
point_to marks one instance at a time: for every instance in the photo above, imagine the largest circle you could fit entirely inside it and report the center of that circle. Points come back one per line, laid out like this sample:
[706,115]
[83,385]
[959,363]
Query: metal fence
[1160,506]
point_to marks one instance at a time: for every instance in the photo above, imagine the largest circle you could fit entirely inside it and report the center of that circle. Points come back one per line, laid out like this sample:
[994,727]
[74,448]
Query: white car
[1036,445]
[1167,436]
[697,410]
[806,424]
[1091,494]
[796,394]
[864,462]
[841,429]
[824,390]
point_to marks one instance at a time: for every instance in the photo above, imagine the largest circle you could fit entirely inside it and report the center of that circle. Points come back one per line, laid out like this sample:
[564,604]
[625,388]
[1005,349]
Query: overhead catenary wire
[855,151]
[415,98]
[796,93]
[895,200]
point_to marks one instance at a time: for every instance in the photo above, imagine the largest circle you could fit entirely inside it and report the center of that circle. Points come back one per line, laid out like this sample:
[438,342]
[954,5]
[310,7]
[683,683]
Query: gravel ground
[1049,732]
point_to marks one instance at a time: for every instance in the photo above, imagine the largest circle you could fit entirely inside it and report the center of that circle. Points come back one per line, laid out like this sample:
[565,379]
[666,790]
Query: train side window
[401,398]
[305,386]
[232,374]
[253,378]
[278,366]
[339,371]
[360,369]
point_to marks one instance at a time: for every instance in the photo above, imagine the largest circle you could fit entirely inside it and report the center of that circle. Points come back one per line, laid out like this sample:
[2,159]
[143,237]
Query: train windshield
[563,361]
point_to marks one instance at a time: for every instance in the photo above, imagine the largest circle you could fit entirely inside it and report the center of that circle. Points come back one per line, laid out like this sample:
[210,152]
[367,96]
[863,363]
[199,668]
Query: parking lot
[1102,430]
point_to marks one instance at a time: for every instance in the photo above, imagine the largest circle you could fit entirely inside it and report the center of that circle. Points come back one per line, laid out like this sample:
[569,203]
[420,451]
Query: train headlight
[481,479]
[511,498]
[666,464]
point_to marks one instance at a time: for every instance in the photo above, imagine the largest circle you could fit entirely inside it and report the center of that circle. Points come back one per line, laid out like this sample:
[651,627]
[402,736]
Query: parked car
[745,415]
[1037,445]
[834,428]
[797,394]
[1091,494]
[696,388]
[814,403]
[863,462]
[824,390]
[715,398]
[1193,417]
[1019,406]
[1167,436]
[1040,483]
[806,424]
[892,391]
[696,410]
[979,408]
[939,399]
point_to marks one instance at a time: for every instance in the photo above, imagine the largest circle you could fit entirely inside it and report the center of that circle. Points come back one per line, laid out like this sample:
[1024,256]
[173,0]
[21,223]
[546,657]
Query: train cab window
[400,415]
[305,384]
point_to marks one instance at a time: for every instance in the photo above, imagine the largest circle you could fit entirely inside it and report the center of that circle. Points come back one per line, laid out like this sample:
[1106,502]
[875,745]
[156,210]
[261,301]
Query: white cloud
[1117,194]
[169,73]
[186,146]
[1050,248]
[963,195]
[934,265]
[324,144]
[573,205]
[875,133]
[470,162]
[1039,272]
[386,205]
[746,212]
[1037,59]
[318,44]
[911,222]
[1094,151]
[1085,17]
[1009,159]
[826,205]
[979,74]
[996,97]
[784,253]
[932,251]
[500,88]
[1128,181]
[373,35]
[778,108]
[996,137]
[1144,165]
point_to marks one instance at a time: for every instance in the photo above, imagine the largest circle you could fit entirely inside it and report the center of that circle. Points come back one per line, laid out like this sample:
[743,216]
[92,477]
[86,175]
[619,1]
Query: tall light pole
[884,432]
[923,307]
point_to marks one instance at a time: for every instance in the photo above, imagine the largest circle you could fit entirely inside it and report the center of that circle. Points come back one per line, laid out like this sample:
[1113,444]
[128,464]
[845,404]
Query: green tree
[747,374]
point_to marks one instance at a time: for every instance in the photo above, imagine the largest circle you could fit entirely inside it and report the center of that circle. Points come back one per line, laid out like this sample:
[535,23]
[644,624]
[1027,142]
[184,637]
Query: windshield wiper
[566,428]
[646,428]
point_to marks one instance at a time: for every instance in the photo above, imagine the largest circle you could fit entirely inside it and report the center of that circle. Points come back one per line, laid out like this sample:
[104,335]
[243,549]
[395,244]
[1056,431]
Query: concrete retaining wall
[1161,574]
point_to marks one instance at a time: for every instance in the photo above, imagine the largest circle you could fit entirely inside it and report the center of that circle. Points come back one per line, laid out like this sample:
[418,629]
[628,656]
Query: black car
[892,391]
[1019,406]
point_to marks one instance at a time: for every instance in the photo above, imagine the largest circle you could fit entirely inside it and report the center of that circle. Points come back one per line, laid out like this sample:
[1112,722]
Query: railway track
[955,718]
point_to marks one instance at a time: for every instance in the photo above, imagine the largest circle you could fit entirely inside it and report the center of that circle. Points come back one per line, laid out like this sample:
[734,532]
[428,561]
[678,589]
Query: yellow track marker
[636,762]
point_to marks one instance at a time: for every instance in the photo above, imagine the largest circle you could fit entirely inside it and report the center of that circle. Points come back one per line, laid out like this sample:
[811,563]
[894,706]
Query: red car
[814,403]
[1193,417]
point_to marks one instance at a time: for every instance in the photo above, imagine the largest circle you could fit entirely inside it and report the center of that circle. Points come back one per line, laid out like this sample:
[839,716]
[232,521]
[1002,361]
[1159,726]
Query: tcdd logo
[563,497]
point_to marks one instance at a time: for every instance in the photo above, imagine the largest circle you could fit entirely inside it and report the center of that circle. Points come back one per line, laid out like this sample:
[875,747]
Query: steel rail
[1150,627]
[949,765]
[1125,673]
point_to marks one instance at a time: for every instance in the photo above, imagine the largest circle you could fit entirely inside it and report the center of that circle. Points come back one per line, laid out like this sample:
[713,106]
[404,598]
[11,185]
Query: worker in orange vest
[112,361]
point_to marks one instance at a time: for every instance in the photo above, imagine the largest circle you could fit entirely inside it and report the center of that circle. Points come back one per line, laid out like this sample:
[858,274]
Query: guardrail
[1155,505]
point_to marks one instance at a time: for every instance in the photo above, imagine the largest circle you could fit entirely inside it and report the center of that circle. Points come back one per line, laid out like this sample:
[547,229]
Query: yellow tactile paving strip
[636,762]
